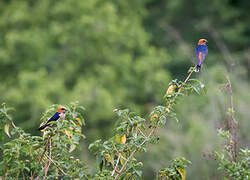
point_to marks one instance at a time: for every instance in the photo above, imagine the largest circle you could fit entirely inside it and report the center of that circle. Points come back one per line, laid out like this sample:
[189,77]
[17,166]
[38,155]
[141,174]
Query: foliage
[31,156]
[122,54]
[22,155]
[175,171]
[231,169]
[116,156]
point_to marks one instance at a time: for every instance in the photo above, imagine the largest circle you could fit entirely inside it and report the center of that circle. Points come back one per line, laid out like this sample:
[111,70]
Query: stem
[145,140]
[45,149]
[233,124]
[188,77]
[46,167]
[131,155]
[55,165]
[141,132]
[118,159]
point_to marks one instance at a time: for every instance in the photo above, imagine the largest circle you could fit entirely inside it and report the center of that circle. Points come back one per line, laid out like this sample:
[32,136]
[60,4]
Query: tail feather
[198,68]
[42,127]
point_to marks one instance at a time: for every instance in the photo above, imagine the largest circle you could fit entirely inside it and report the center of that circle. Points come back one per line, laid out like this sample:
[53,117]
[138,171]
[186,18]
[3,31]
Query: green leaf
[6,129]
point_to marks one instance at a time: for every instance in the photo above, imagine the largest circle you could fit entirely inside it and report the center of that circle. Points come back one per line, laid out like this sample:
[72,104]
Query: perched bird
[60,113]
[201,52]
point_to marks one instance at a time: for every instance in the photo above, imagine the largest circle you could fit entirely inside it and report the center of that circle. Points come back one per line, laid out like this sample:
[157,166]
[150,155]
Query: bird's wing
[197,52]
[55,117]
[201,52]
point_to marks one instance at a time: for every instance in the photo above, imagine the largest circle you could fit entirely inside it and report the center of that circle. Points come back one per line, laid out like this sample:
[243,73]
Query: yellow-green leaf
[118,138]
[123,139]
[79,120]
[107,157]
[6,129]
[171,89]
[123,158]
[182,173]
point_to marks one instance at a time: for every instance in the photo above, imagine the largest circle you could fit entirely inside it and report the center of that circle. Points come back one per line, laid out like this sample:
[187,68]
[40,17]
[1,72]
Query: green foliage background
[110,54]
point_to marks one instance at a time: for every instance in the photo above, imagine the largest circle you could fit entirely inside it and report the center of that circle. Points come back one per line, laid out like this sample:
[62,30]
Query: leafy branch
[49,156]
[234,164]
[134,133]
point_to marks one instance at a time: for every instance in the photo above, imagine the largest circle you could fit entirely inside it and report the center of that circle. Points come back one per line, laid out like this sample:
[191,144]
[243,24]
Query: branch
[145,140]
[46,167]
[131,155]
[141,132]
[115,169]
[233,124]
[45,149]
[56,165]
[188,77]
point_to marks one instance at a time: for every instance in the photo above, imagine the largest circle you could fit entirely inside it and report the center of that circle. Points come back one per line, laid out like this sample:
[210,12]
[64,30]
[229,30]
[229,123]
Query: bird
[201,52]
[60,113]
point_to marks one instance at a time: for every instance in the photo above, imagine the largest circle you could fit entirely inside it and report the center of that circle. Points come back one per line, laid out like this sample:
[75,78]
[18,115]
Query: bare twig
[45,149]
[141,132]
[131,155]
[188,77]
[56,165]
[117,162]
[233,124]
[47,165]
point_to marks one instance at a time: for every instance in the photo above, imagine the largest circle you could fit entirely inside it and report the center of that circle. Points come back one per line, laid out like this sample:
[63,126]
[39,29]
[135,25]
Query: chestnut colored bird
[60,113]
[201,52]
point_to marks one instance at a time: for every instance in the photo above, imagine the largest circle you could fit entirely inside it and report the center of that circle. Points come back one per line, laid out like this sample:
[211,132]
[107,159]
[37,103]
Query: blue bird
[201,52]
[60,113]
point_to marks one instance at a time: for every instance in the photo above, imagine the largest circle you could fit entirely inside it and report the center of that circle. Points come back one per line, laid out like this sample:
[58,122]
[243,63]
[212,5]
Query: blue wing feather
[200,52]
[203,50]
[55,117]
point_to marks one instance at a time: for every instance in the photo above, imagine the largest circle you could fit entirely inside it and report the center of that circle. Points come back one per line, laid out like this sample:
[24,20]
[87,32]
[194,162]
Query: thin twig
[233,124]
[47,165]
[188,76]
[141,132]
[55,165]
[45,149]
[131,155]
[115,169]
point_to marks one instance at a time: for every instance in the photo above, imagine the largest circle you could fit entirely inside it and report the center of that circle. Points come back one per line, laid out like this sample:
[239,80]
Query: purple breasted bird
[201,52]
[60,113]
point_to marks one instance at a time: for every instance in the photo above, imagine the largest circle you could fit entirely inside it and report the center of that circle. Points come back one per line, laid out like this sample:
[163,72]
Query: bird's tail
[42,127]
[198,68]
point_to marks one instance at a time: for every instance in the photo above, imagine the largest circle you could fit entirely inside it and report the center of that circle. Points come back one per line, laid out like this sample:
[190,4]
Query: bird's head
[61,110]
[202,42]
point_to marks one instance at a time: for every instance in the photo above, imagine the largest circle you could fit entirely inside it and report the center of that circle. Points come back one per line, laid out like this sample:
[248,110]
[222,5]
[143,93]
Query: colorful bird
[201,52]
[60,113]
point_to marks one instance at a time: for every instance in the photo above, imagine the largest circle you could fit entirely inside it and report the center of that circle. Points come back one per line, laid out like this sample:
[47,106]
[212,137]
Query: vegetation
[116,54]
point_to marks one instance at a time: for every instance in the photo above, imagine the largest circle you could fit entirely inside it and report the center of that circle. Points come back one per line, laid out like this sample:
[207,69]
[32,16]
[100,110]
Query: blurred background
[110,54]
